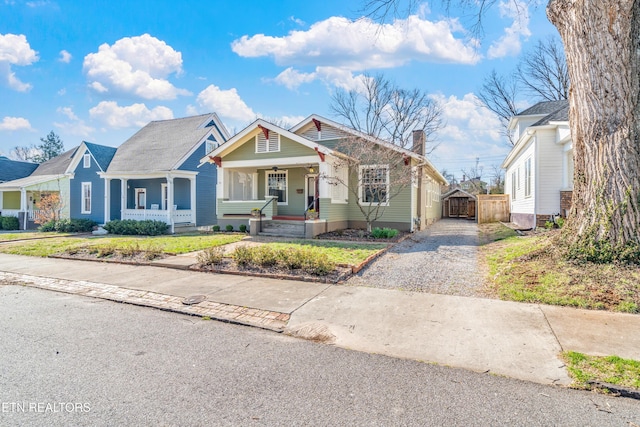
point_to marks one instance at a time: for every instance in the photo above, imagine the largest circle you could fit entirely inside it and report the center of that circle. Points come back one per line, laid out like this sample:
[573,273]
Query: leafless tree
[385,111]
[498,94]
[372,173]
[22,153]
[541,74]
[601,40]
[497,180]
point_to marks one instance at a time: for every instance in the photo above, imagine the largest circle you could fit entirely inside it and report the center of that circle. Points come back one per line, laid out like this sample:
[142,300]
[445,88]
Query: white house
[539,167]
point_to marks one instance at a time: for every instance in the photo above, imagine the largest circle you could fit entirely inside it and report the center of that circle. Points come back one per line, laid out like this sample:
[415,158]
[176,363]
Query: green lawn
[338,252]
[7,237]
[174,244]
[534,269]
[609,369]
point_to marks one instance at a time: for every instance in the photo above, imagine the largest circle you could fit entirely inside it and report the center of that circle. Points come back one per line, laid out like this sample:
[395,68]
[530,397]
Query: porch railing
[10,212]
[179,216]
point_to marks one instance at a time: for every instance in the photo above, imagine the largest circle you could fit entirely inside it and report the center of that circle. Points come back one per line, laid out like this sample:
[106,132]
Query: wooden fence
[493,208]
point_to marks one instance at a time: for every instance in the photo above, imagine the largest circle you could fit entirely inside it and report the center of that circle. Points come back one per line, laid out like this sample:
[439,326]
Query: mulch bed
[356,235]
[228,266]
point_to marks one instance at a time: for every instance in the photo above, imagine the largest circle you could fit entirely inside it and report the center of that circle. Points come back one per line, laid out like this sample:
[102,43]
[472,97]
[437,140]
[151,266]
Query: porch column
[23,206]
[192,186]
[123,197]
[107,200]
[324,190]
[1,200]
[170,201]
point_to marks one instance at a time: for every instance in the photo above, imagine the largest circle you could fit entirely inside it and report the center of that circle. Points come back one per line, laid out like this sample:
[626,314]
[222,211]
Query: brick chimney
[418,142]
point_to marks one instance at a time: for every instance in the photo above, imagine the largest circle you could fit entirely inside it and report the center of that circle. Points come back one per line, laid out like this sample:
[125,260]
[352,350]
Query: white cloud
[332,76]
[65,57]
[226,103]
[135,65]
[297,21]
[471,131]
[509,43]
[15,123]
[135,115]
[15,50]
[362,44]
[75,126]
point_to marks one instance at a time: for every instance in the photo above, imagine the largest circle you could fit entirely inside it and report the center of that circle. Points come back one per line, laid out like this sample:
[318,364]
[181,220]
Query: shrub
[264,256]
[292,258]
[243,228]
[229,227]
[130,227]
[0,222]
[69,225]
[216,228]
[10,223]
[152,252]
[318,264]
[384,233]
[242,255]
[211,256]
[104,251]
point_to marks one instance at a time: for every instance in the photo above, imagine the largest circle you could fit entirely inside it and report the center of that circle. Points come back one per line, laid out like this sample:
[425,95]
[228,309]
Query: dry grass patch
[615,370]
[534,269]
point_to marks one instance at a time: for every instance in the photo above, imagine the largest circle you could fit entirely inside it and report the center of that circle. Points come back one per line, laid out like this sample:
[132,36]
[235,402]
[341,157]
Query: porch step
[282,228]
[186,227]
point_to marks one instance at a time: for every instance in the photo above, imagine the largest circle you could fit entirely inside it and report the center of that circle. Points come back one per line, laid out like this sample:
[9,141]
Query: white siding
[549,170]
[522,204]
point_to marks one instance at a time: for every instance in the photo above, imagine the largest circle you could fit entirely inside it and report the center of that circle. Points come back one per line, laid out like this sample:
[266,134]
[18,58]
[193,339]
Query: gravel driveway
[442,259]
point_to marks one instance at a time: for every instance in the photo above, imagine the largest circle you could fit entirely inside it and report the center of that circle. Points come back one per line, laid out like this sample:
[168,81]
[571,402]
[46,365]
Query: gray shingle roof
[101,153]
[13,169]
[56,166]
[560,115]
[159,145]
[545,107]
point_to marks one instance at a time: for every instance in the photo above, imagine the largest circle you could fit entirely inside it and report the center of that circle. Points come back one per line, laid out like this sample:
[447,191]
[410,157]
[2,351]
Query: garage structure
[458,203]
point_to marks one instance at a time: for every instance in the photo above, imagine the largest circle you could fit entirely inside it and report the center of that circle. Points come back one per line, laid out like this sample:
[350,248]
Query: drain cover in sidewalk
[194,299]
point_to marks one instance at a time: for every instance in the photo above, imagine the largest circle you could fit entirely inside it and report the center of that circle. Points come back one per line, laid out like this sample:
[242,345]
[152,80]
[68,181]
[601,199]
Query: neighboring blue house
[14,169]
[156,174]
[73,175]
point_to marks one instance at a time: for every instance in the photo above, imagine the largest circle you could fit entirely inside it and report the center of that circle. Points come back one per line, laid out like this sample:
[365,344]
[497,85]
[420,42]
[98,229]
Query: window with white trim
[374,184]
[267,146]
[277,185]
[86,161]
[513,185]
[86,198]
[339,189]
[527,177]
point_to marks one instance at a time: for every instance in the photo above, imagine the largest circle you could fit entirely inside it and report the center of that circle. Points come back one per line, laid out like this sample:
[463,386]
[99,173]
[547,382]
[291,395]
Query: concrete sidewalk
[505,338]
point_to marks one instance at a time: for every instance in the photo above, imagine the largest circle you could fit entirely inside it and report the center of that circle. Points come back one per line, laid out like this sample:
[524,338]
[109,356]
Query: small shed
[457,203]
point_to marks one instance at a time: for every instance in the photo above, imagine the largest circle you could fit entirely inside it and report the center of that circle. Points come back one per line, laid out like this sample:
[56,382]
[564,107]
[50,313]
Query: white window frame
[360,186]
[86,198]
[514,189]
[164,196]
[339,189]
[86,161]
[527,177]
[286,185]
[267,149]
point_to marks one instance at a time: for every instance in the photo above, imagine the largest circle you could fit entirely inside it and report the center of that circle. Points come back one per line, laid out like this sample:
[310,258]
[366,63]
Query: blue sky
[100,70]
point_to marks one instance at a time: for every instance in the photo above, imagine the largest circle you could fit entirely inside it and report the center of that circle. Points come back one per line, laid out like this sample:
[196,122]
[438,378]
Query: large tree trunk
[602,44]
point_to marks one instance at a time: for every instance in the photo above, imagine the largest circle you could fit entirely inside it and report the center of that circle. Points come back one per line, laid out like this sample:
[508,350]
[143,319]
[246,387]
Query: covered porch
[168,197]
[22,199]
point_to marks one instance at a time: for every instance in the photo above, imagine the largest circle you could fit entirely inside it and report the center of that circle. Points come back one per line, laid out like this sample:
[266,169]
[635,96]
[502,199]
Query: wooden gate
[458,207]
[493,208]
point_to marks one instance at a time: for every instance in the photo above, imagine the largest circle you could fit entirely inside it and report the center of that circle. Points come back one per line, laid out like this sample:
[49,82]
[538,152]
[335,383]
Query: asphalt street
[72,360]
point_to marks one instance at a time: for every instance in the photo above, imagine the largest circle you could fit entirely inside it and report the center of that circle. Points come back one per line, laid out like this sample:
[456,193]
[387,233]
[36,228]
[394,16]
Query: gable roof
[56,166]
[457,190]
[560,115]
[238,139]
[18,184]
[422,159]
[14,169]
[101,153]
[162,145]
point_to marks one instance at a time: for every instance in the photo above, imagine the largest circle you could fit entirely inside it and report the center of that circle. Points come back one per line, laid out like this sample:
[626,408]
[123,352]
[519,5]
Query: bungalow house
[14,169]
[155,175]
[287,173]
[539,167]
[72,175]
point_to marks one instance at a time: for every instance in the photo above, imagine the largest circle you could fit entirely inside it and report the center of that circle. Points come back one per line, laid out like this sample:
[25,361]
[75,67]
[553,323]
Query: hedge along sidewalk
[265,319]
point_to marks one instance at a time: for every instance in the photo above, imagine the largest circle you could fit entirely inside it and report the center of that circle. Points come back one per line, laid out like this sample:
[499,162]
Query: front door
[141,198]
[312,192]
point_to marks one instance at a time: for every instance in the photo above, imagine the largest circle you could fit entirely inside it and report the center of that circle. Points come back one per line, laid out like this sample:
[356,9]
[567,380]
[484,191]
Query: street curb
[264,319]
[616,389]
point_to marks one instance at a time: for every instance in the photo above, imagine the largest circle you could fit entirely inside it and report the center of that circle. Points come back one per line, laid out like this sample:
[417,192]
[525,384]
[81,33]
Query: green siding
[11,200]
[61,185]
[333,211]
[288,148]
[295,181]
